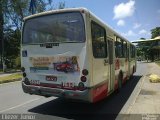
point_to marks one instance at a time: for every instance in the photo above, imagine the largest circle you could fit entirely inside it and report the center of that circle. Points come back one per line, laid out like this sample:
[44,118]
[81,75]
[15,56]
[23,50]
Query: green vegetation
[12,13]
[11,78]
[155,32]
[144,49]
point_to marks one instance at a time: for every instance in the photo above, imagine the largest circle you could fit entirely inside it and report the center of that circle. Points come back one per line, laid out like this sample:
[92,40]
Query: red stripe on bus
[100,92]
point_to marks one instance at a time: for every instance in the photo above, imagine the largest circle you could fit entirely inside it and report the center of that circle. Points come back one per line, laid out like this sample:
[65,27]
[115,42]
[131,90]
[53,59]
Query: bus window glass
[125,49]
[119,48]
[132,51]
[98,41]
[64,27]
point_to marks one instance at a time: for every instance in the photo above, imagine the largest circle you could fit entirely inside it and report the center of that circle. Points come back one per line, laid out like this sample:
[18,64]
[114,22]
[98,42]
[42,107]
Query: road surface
[14,101]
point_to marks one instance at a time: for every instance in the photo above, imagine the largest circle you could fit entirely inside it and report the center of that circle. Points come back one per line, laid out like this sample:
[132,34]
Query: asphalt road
[14,101]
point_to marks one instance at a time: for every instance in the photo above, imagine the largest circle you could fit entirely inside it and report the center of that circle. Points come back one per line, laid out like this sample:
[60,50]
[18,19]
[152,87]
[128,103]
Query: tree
[12,46]
[1,31]
[16,10]
[12,13]
[11,16]
[155,32]
[43,5]
[145,48]
[61,5]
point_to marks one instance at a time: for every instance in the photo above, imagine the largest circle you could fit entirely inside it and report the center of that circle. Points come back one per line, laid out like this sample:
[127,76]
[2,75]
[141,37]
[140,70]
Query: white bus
[71,53]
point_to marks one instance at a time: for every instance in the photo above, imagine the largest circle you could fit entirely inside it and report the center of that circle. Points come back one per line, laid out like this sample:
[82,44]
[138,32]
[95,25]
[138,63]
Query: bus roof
[56,11]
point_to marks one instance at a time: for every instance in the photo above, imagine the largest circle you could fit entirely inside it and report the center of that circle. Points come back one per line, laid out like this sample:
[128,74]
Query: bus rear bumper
[57,92]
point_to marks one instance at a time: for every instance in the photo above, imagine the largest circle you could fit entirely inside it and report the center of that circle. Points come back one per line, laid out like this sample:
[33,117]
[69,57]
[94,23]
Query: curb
[130,102]
[135,94]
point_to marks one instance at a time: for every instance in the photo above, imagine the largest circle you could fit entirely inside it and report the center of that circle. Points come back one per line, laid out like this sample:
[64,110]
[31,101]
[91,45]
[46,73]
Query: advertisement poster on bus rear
[58,64]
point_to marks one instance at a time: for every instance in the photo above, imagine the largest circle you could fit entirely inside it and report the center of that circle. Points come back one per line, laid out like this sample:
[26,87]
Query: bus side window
[132,51]
[98,41]
[125,49]
[119,52]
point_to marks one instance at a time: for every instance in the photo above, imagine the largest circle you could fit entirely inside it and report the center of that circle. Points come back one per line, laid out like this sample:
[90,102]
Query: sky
[133,19]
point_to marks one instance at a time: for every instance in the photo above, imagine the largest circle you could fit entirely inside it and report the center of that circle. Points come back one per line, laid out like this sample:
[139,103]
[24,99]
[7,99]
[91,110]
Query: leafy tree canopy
[155,32]
[12,13]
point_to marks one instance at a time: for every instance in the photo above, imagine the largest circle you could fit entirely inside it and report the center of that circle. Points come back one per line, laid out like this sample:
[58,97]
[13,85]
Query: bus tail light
[85,72]
[83,79]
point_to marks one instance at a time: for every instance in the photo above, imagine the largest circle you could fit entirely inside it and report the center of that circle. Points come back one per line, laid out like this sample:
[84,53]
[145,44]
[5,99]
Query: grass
[11,78]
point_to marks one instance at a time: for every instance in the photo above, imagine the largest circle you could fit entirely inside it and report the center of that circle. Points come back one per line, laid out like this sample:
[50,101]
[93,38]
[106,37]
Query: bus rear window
[60,27]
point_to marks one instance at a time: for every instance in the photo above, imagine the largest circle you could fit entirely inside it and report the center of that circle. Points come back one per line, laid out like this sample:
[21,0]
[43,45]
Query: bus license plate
[51,78]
